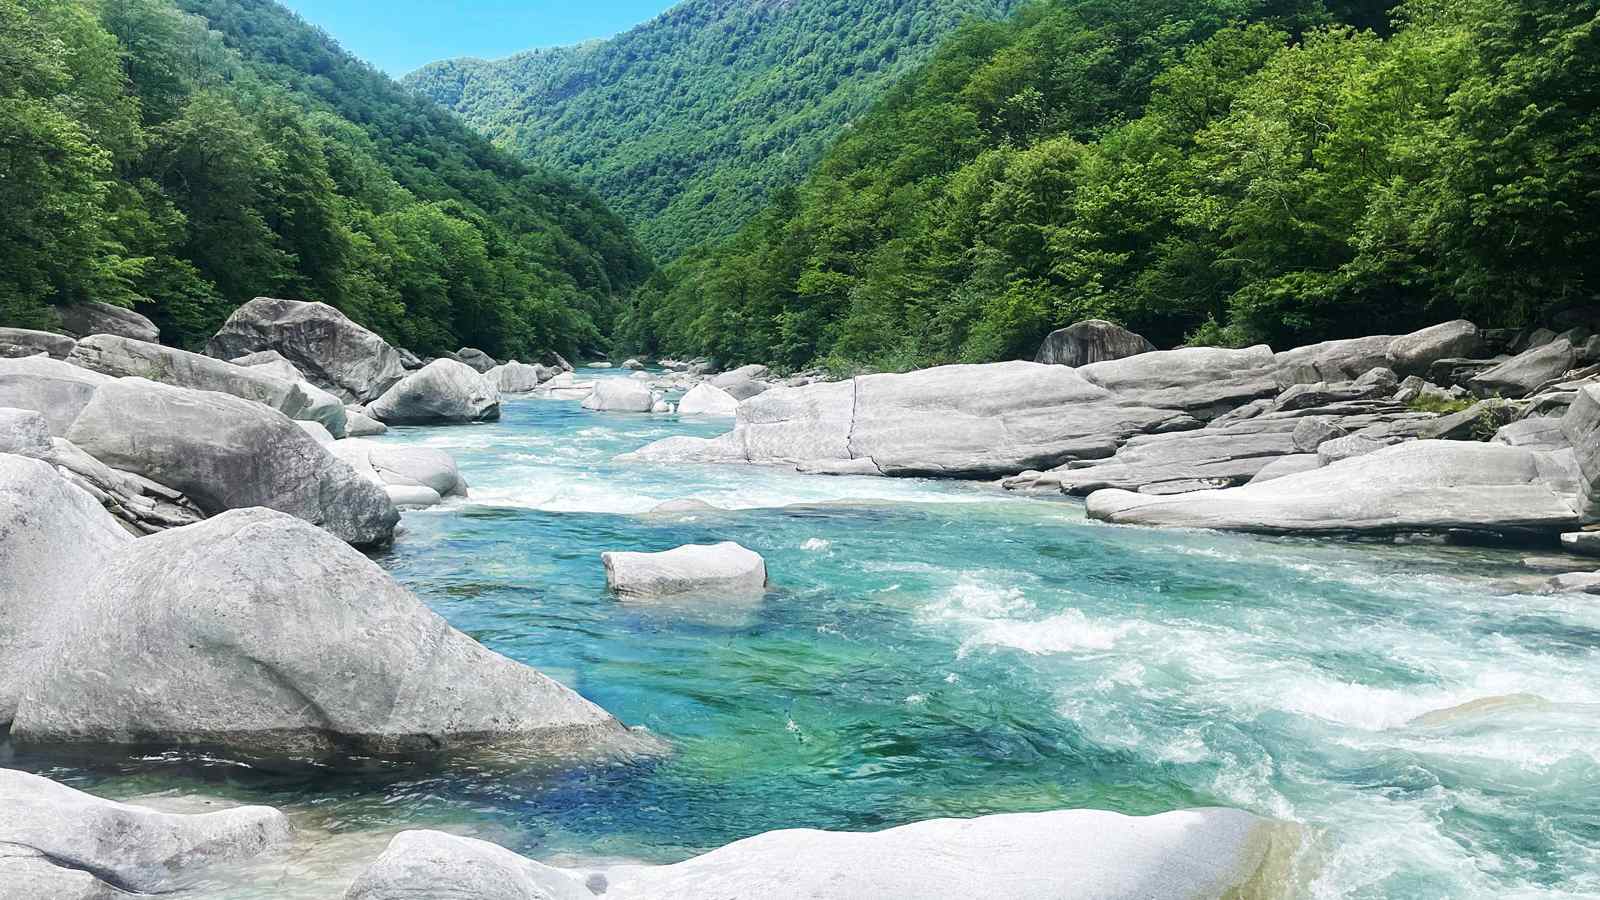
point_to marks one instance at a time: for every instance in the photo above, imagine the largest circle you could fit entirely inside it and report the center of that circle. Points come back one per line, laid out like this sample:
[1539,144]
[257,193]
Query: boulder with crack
[335,353]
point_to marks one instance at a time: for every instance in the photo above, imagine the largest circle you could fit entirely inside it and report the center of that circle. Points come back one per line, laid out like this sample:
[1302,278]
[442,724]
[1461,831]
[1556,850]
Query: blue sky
[400,35]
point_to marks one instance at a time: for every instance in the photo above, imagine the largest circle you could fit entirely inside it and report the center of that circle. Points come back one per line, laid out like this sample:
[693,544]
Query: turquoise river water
[945,649]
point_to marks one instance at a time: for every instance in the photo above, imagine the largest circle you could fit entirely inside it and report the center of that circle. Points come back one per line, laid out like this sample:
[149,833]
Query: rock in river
[335,353]
[617,395]
[724,569]
[444,392]
[1418,486]
[1198,853]
[708,400]
[57,842]
[227,453]
[278,640]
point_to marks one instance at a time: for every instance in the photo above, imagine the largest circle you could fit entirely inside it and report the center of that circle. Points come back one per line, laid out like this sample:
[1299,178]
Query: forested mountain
[182,156]
[688,122]
[1216,170]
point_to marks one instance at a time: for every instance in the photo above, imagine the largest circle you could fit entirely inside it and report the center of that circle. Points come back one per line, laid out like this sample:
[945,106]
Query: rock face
[1417,486]
[227,453]
[83,319]
[279,640]
[52,535]
[57,390]
[1090,341]
[1581,427]
[708,400]
[335,353]
[725,569]
[1525,372]
[444,392]
[123,357]
[1201,853]
[118,846]
[1415,353]
[480,361]
[20,342]
[617,395]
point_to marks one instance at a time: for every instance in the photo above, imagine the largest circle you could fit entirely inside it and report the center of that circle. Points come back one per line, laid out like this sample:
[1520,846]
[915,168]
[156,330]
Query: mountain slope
[185,155]
[687,123]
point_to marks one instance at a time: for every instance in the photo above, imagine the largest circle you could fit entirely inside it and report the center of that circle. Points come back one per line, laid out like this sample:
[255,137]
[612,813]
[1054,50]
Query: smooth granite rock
[335,353]
[1292,464]
[617,395]
[358,424]
[1341,360]
[1420,486]
[24,432]
[16,343]
[1581,427]
[278,640]
[1090,341]
[1199,853]
[224,453]
[444,392]
[92,317]
[1415,353]
[708,400]
[120,846]
[480,361]
[517,378]
[57,390]
[1525,372]
[725,569]
[1205,381]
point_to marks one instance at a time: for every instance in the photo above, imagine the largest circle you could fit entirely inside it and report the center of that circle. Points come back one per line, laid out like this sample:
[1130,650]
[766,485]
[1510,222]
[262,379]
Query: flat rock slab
[725,569]
[1201,853]
[1426,486]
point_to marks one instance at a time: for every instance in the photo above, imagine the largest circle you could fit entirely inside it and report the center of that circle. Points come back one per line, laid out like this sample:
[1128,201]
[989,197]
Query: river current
[946,649]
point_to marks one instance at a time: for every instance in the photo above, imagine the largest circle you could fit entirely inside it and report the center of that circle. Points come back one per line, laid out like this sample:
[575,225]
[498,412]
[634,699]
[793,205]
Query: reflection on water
[934,649]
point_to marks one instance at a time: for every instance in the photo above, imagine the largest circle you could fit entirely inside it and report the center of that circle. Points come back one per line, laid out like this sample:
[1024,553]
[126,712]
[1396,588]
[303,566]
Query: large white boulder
[24,432]
[708,400]
[444,392]
[404,466]
[1416,486]
[1199,853]
[122,357]
[225,453]
[517,378]
[52,537]
[358,424]
[619,395]
[57,390]
[58,842]
[93,317]
[725,569]
[335,353]
[277,639]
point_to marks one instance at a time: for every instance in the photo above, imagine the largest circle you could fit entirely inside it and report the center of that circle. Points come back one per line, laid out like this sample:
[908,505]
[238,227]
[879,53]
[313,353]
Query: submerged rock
[617,395]
[335,353]
[225,453]
[1437,486]
[717,569]
[279,640]
[92,317]
[444,392]
[708,400]
[1090,341]
[1200,853]
[74,844]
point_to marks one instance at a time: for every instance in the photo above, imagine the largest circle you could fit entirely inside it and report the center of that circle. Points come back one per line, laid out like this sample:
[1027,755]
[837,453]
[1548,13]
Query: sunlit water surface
[942,649]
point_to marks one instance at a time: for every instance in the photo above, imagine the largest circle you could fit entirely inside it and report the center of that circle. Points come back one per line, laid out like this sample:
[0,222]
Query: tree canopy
[1216,171]
[182,157]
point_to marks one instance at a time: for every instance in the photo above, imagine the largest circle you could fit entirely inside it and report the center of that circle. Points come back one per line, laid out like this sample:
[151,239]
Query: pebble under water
[945,649]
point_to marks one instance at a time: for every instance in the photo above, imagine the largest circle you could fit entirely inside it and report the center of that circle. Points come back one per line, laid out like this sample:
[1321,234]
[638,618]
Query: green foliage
[688,123]
[1216,171]
[183,156]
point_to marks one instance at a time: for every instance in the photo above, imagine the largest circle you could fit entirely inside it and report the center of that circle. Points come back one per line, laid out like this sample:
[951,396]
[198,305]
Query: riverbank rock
[1204,381]
[726,569]
[333,352]
[1415,353]
[444,392]
[24,432]
[1581,428]
[1583,543]
[480,361]
[121,357]
[708,400]
[73,844]
[52,536]
[617,395]
[744,382]
[56,390]
[1201,853]
[223,453]
[358,424]
[1522,374]
[83,319]
[17,343]
[1421,486]
[517,378]
[1090,341]
[402,466]
[279,640]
